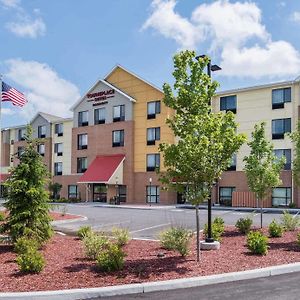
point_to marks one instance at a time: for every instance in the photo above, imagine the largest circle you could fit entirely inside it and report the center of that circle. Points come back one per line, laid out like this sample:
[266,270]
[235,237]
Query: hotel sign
[100,97]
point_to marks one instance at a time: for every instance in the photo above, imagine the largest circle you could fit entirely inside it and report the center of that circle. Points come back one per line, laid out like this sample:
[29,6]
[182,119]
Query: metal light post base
[215,245]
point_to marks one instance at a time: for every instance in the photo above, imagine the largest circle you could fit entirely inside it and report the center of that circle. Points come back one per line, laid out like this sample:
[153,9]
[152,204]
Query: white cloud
[296,16]
[234,31]
[28,28]
[44,89]
[24,25]
[10,3]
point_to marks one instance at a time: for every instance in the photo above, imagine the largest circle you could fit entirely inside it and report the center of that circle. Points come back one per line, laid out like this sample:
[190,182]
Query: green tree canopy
[27,199]
[295,137]
[262,167]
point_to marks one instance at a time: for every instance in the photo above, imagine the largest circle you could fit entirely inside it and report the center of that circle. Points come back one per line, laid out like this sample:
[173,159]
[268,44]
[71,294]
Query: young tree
[27,197]
[206,140]
[55,189]
[295,137]
[262,167]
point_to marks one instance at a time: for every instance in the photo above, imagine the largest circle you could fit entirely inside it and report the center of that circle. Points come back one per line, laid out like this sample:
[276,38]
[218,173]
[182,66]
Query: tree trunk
[261,213]
[198,233]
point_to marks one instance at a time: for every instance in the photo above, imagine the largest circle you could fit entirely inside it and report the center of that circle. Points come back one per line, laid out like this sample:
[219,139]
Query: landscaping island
[67,266]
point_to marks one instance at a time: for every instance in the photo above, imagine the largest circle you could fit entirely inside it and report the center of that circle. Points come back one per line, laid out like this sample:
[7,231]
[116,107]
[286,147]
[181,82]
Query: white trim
[133,74]
[93,86]
[115,171]
[262,86]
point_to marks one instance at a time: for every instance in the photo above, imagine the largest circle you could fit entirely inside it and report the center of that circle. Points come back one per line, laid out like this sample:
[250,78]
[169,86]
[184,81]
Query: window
[228,103]
[20,151]
[280,96]
[225,195]
[81,164]
[59,129]
[232,166]
[284,153]
[41,149]
[122,193]
[119,113]
[82,141]
[281,196]
[42,132]
[153,162]
[21,134]
[72,192]
[153,134]
[118,138]
[83,118]
[280,127]
[58,149]
[153,108]
[152,194]
[99,116]
[57,168]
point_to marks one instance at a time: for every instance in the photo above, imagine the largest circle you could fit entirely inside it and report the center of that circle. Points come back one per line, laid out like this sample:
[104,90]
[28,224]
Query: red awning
[102,169]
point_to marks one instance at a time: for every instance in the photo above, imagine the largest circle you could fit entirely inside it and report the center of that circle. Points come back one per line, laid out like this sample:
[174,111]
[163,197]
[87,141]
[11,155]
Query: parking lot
[145,223]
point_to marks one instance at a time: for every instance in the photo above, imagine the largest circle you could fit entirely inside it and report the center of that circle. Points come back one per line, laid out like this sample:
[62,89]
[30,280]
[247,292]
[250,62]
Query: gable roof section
[94,85]
[133,74]
[48,117]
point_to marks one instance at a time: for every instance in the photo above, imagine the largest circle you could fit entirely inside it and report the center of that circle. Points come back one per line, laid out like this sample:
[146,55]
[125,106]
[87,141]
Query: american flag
[11,94]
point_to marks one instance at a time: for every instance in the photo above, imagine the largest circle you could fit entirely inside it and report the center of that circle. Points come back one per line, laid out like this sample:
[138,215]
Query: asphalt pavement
[144,223]
[269,288]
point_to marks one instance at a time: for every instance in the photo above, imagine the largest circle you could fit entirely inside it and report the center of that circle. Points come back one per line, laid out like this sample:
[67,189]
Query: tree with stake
[206,140]
[262,167]
[27,197]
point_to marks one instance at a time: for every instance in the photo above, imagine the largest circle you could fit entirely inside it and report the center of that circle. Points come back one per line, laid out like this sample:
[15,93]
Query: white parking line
[152,227]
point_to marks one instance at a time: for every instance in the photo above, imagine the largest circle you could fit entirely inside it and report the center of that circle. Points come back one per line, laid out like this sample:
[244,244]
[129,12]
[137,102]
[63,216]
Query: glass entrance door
[99,192]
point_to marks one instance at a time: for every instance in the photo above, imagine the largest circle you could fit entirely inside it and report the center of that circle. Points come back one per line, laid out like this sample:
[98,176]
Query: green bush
[121,235]
[111,258]
[2,216]
[257,243]
[94,244]
[275,229]
[176,238]
[31,261]
[298,239]
[217,229]
[23,245]
[244,225]
[292,205]
[84,231]
[289,222]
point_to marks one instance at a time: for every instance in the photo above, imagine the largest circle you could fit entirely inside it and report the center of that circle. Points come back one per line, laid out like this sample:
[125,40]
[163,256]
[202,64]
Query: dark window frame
[287,125]
[122,138]
[157,104]
[56,149]
[122,113]
[149,193]
[38,149]
[80,146]
[21,134]
[224,105]
[69,193]
[79,164]
[286,196]
[287,153]
[156,160]
[56,172]
[82,123]
[156,135]
[226,200]
[59,129]
[287,97]
[40,134]
[98,121]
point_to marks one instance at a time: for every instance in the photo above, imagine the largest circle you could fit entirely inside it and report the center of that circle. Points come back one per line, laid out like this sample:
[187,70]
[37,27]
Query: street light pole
[150,183]
[209,238]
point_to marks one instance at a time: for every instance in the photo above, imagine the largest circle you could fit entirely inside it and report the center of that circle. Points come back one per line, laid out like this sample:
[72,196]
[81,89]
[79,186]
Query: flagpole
[1,78]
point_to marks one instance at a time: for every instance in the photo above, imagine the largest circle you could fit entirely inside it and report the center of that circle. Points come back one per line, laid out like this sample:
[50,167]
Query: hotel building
[110,146]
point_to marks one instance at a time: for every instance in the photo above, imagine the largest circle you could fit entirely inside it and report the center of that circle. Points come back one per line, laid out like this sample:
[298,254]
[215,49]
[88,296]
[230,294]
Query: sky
[54,51]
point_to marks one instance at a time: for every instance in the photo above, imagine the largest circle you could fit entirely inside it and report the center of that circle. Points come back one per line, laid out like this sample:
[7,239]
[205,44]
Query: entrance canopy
[106,169]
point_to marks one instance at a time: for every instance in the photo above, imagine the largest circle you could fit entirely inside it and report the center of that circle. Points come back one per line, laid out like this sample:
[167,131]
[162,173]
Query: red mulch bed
[68,268]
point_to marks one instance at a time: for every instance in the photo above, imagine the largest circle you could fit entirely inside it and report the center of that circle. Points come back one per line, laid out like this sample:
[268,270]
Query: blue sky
[53,51]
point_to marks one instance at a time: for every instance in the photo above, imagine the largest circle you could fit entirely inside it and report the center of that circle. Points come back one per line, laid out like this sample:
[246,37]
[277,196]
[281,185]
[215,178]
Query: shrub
[176,238]
[84,231]
[94,244]
[217,229]
[121,235]
[2,216]
[23,245]
[275,229]
[111,258]
[298,239]
[244,225]
[31,261]
[289,222]
[292,205]
[257,243]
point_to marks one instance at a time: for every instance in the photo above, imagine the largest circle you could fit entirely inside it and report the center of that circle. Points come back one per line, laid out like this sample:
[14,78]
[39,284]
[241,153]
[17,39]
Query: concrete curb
[153,286]
[59,222]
